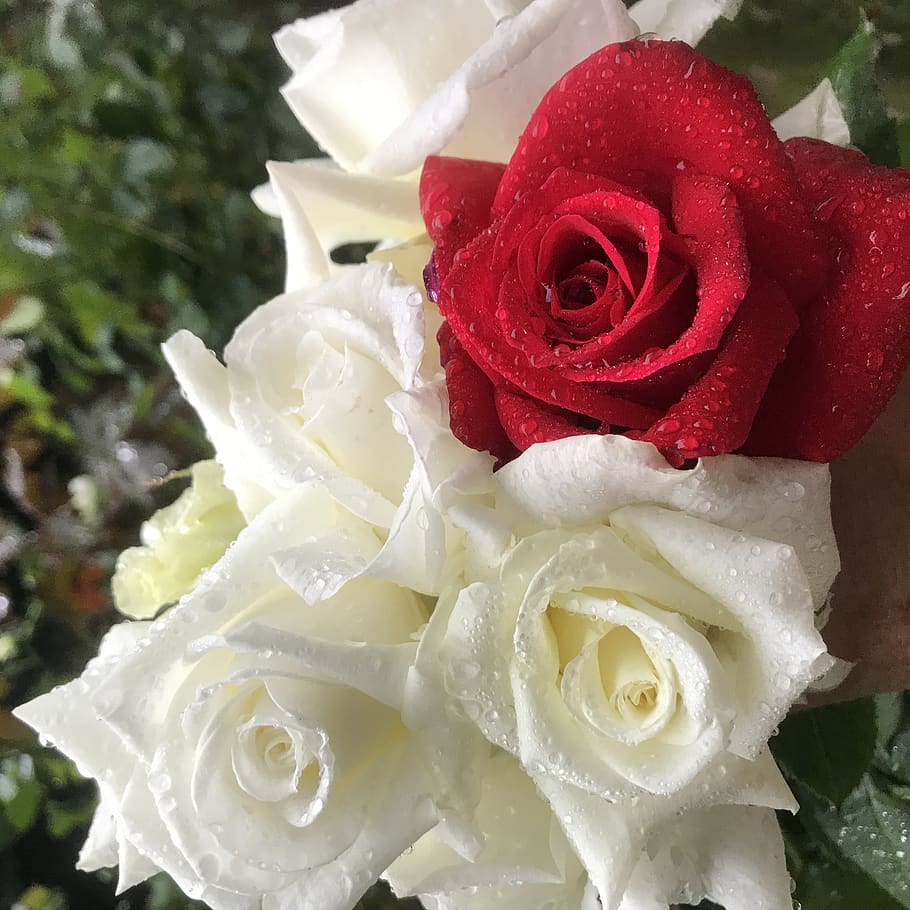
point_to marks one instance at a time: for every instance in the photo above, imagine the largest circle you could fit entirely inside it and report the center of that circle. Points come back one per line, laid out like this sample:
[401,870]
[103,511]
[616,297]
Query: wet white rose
[251,744]
[647,620]
[179,542]
[644,855]
[382,84]
[524,860]
[717,838]
[306,396]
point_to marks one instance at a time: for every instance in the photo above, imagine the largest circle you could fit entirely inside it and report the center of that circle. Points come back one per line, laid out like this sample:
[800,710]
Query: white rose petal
[202,381]
[179,542]
[732,855]
[687,20]
[769,644]
[817,116]
[249,744]
[323,207]
[525,860]
[657,623]
[382,85]
[772,498]
[611,838]
[306,396]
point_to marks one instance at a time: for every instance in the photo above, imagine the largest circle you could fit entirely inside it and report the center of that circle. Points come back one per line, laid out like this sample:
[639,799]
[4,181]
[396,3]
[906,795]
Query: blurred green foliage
[130,136]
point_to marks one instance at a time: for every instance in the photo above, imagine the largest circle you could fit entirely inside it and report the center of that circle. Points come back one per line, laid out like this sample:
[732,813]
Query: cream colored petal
[610,838]
[323,207]
[204,382]
[772,656]
[817,116]
[687,20]
[360,71]
[482,109]
[582,480]
[731,855]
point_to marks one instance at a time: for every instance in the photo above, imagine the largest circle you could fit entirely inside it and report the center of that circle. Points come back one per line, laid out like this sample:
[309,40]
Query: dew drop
[794,491]
[541,127]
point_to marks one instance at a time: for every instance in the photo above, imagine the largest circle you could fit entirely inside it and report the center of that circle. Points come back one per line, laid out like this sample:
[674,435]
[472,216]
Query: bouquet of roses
[517,546]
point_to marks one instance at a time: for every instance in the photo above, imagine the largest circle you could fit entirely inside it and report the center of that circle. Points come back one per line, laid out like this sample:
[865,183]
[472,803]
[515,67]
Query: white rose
[687,20]
[524,859]
[250,744]
[382,84]
[645,856]
[663,619]
[179,542]
[716,838]
[307,394]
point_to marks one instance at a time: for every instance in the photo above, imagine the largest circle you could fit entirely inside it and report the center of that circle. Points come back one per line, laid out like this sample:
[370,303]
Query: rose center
[635,697]
[628,675]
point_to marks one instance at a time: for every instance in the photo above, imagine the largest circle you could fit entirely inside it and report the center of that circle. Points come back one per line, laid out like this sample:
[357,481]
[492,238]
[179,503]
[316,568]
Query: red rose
[653,261]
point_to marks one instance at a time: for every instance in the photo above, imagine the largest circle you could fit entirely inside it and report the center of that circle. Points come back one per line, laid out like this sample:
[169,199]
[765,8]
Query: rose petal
[204,382]
[456,196]
[817,116]
[715,414]
[472,407]
[696,103]
[397,821]
[609,837]
[481,109]
[355,339]
[771,645]
[361,71]
[524,861]
[775,499]
[527,420]
[854,343]
[323,207]
[470,321]
[731,855]
[687,20]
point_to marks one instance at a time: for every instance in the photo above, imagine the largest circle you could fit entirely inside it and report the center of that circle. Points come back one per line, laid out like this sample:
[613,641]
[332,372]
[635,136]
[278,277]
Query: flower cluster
[470,616]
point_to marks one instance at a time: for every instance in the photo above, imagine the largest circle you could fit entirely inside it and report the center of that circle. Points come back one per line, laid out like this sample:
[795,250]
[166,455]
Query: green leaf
[40,898]
[852,73]
[872,830]
[828,749]
[65,817]
[39,402]
[903,141]
[20,796]
[888,711]
[835,886]
[894,753]
[24,316]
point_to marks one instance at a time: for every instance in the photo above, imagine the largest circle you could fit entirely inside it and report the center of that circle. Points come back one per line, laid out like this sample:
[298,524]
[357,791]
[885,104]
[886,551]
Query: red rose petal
[472,409]
[637,112]
[455,200]
[527,420]
[716,413]
[473,280]
[854,343]
[707,213]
